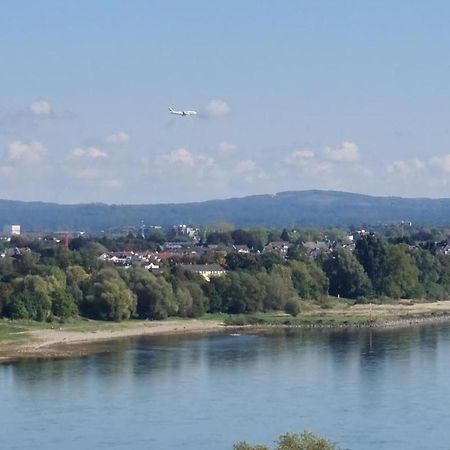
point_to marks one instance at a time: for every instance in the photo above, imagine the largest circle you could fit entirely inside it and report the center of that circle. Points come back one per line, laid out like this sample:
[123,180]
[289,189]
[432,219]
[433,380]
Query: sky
[349,95]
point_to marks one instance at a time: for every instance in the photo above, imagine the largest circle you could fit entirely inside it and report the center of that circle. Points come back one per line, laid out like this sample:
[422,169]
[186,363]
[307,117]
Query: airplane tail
[170,109]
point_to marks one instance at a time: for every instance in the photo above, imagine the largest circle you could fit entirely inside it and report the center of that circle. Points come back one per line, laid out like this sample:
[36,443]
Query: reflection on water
[365,389]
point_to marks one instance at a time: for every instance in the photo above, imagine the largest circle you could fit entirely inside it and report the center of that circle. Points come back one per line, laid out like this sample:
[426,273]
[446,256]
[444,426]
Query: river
[389,389]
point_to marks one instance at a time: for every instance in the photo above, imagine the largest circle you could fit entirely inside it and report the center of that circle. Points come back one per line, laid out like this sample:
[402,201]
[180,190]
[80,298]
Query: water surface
[390,390]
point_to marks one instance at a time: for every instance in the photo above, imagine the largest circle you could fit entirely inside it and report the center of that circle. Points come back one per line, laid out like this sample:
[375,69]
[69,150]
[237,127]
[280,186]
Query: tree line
[47,281]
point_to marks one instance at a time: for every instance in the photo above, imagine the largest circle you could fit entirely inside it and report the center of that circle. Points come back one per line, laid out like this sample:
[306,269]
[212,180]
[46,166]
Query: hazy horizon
[267,194]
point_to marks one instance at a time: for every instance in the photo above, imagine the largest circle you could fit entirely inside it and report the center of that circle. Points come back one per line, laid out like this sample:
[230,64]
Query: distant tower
[66,241]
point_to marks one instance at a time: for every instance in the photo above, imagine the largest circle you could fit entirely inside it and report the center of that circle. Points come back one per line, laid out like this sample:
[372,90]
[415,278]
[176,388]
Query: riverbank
[31,340]
[22,339]
[344,315]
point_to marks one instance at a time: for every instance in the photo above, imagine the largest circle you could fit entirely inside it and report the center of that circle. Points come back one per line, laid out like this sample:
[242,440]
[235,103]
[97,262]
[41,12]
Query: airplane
[183,113]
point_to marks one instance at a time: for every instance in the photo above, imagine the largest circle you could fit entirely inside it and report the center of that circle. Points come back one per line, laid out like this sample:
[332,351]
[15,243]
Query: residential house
[316,248]
[242,249]
[207,271]
[279,247]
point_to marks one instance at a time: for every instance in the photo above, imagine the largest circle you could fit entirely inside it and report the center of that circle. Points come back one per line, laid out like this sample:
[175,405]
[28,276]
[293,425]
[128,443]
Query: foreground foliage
[292,441]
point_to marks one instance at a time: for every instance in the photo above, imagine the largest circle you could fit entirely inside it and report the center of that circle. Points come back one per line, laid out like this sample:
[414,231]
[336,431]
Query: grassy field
[10,333]
[17,331]
[341,313]
[14,331]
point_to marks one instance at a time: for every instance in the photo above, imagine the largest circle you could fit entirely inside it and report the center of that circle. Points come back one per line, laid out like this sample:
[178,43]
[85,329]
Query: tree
[199,300]
[7,270]
[429,275]
[292,307]
[253,292]
[30,299]
[184,301]
[403,275]
[232,292]
[309,280]
[156,235]
[278,287]
[25,263]
[243,261]
[155,297]
[63,304]
[270,259]
[346,275]
[304,441]
[284,235]
[108,297]
[75,277]
[371,252]
[219,238]
[242,237]
[6,290]
[259,237]
[293,441]
[89,256]
[213,291]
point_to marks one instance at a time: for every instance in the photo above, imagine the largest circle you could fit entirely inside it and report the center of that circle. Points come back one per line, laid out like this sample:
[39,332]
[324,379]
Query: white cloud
[90,152]
[441,162]
[226,148]
[118,138]
[300,157]
[348,152]
[217,108]
[78,152]
[407,167]
[248,171]
[40,108]
[418,164]
[245,166]
[181,157]
[321,168]
[32,153]
[206,161]
[95,153]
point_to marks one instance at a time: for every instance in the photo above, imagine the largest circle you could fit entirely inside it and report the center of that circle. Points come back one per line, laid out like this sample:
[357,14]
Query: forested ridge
[44,280]
[296,208]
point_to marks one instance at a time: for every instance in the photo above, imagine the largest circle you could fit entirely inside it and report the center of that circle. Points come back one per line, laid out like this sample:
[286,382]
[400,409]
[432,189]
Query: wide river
[388,390]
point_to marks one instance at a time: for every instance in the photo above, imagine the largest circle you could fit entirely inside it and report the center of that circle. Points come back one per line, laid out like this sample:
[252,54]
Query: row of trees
[64,283]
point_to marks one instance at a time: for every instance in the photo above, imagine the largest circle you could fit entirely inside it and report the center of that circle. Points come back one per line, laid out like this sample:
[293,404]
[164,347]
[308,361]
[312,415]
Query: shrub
[292,307]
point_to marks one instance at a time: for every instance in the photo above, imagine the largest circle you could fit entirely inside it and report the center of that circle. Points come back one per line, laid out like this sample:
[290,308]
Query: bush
[326,302]
[292,307]
[293,441]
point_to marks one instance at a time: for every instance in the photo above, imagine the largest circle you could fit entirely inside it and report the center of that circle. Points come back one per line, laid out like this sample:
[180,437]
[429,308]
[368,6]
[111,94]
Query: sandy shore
[54,343]
[60,342]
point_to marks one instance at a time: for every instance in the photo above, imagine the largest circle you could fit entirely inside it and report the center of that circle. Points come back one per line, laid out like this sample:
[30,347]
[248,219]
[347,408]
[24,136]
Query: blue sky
[345,95]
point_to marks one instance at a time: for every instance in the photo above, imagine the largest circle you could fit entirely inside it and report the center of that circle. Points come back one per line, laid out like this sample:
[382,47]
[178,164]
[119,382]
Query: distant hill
[294,208]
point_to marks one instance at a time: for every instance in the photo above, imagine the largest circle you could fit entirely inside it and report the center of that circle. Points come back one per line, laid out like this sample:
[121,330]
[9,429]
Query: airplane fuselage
[182,113]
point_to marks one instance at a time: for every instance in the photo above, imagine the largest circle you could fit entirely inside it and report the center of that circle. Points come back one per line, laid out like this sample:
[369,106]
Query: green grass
[11,333]
[279,318]
[215,316]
